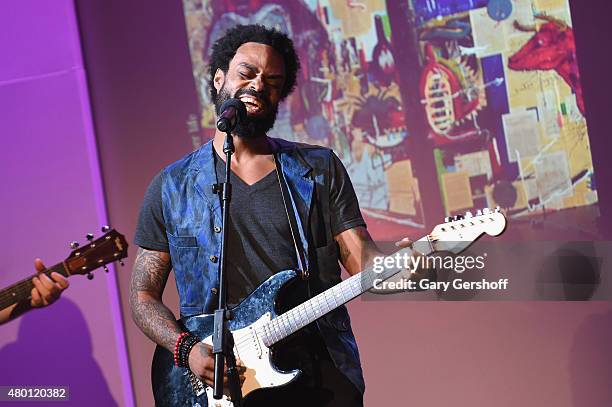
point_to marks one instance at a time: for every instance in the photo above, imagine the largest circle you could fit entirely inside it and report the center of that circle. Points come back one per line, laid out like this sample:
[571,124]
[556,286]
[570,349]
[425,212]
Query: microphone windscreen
[236,104]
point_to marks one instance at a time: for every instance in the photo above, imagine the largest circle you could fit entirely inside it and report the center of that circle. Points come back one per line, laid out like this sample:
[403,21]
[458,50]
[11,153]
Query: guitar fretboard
[325,302]
[21,290]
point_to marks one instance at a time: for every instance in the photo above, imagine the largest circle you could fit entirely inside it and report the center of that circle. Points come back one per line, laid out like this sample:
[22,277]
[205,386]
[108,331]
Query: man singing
[180,228]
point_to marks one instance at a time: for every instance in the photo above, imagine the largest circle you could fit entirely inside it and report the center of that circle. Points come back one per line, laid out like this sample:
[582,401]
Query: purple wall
[485,354]
[53,195]
[142,93]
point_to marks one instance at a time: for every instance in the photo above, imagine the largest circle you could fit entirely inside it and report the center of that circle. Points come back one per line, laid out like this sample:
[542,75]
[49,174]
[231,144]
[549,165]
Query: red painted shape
[551,48]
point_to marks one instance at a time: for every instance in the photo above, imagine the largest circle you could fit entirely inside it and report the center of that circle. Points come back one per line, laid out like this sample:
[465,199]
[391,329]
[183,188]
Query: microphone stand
[223,340]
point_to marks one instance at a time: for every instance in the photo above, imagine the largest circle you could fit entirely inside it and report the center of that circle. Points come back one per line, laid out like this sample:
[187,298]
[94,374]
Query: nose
[257,84]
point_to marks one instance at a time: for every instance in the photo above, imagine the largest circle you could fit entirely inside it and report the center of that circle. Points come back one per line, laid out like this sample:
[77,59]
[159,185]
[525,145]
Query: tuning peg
[105,228]
[74,244]
[89,236]
[448,219]
[89,276]
[497,209]
[486,211]
[479,212]
[458,217]
[106,269]
[468,214]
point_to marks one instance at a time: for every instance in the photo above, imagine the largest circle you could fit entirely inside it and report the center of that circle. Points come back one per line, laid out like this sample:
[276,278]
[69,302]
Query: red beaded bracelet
[177,346]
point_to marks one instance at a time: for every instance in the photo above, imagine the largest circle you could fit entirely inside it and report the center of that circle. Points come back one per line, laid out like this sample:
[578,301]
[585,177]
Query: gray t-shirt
[259,237]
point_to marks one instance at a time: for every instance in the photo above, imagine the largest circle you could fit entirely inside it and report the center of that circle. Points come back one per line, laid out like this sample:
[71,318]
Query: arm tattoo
[356,249]
[345,252]
[151,270]
[149,277]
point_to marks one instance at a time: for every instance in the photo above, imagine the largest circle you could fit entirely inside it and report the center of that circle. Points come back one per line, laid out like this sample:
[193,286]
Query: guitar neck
[325,302]
[21,290]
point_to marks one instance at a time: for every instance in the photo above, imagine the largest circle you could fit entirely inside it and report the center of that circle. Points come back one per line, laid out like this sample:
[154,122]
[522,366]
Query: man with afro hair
[180,223]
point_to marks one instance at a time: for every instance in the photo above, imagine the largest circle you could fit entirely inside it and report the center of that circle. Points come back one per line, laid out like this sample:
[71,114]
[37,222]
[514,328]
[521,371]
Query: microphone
[231,112]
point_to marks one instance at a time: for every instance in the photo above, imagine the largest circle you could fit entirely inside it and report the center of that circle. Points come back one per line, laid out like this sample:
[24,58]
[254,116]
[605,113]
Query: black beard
[250,127]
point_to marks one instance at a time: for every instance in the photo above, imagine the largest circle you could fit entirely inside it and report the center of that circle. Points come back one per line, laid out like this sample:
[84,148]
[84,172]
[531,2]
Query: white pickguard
[256,357]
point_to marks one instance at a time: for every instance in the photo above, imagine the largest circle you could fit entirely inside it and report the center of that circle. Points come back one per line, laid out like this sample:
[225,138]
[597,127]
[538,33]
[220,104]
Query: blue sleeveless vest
[192,216]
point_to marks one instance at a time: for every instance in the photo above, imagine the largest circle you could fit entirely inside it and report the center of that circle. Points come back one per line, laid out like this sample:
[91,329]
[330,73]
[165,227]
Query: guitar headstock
[458,232]
[108,248]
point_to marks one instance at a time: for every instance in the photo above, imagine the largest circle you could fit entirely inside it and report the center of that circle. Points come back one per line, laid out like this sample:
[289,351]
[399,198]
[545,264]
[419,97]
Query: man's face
[256,75]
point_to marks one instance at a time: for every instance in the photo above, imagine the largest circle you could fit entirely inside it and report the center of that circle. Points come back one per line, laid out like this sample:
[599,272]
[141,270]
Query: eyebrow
[254,69]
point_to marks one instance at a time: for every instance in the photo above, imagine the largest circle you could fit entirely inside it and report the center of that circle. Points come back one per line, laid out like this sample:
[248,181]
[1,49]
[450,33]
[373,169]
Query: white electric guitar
[256,327]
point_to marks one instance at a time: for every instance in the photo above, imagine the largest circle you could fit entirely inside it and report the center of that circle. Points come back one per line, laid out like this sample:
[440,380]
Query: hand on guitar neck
[46,290]
[47,284]
[415,274]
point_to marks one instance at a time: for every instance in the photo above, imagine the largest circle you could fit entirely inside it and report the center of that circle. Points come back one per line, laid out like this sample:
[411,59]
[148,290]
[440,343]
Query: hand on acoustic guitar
[45,291]
[47,284]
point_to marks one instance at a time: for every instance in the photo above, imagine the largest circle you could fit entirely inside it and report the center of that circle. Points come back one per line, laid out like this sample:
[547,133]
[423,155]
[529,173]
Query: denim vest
[192,216]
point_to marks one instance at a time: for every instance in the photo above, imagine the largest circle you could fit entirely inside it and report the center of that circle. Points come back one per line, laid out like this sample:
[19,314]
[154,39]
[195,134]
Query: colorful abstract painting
[478,100]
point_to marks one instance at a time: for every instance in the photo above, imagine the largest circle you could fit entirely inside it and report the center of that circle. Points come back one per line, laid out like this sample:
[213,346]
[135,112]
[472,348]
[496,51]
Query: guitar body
[176,386]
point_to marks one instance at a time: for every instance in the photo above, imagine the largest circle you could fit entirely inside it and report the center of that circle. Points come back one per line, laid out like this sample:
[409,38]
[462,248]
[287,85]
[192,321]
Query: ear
[218,79]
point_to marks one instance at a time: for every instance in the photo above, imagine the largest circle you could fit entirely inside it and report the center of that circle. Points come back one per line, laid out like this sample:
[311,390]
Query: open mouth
[253,104]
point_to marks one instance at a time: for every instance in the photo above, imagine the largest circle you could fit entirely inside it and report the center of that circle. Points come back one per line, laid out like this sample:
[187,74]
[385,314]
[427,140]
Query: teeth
[250,100]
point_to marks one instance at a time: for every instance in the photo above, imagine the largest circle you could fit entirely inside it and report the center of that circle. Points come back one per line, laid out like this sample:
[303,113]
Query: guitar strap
[292,216]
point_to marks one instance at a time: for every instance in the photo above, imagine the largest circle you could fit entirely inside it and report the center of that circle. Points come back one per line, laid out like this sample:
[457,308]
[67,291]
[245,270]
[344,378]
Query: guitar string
[327,301]
[281,325]
[321,302]
[277,327]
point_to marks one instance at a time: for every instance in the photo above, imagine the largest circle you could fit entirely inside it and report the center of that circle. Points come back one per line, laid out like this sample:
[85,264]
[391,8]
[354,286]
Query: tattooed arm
[149,278]
[357,251]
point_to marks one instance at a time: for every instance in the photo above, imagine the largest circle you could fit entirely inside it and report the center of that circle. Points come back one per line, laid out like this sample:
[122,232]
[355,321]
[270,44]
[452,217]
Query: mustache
[250,92]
